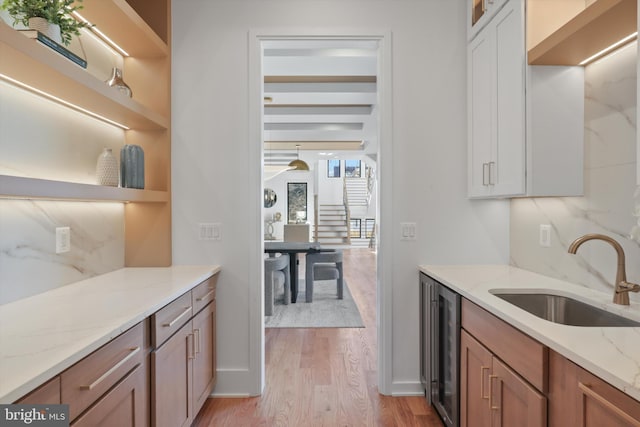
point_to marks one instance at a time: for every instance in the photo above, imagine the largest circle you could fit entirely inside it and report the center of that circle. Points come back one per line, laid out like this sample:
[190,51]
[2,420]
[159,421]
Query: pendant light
[299,165]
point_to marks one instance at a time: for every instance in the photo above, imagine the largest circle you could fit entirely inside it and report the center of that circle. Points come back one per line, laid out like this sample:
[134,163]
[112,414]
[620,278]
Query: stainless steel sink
[564,310]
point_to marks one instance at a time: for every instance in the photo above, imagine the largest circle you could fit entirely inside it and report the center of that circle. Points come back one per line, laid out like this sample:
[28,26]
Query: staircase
[357,191]
[332,225]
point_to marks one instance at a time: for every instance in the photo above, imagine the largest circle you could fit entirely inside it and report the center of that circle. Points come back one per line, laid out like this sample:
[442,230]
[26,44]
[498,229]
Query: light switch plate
[209,231]
[63,239]
[407,231]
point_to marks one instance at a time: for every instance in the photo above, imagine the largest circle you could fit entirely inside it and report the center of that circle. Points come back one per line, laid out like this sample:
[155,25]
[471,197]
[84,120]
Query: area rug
[326,310]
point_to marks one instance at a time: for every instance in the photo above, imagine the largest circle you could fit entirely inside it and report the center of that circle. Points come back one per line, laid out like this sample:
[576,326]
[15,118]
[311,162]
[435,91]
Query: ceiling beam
[314,145]
[320,79]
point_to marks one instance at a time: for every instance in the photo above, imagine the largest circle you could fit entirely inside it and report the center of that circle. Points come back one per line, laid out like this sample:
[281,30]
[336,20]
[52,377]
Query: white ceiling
[320,95]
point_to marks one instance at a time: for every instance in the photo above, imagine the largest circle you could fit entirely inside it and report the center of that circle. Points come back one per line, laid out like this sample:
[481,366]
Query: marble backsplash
[609,205]
[28,261]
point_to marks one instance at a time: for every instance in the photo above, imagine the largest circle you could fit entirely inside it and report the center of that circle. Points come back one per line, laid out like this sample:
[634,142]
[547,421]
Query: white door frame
[384,189]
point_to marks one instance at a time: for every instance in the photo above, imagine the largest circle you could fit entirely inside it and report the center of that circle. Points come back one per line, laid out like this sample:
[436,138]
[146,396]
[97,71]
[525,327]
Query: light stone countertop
[42,335]
[612,354]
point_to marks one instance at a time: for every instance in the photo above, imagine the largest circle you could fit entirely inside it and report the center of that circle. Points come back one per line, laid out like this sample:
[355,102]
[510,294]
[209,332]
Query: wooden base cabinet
[204,363]
[172,372]
[579,398]
[122,406]
[494,395]
[475,363]
[184,365]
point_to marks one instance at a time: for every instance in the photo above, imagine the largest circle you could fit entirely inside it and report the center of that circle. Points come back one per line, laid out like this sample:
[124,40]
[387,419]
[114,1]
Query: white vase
[45,27]
[107,169]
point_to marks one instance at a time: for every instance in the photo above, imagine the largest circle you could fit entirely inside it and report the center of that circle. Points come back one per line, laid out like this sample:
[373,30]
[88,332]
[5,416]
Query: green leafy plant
[54,11]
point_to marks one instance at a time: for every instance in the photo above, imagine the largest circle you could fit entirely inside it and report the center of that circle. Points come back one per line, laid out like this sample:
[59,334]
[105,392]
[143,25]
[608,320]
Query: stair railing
[316,217]
[345,201]
[371,179]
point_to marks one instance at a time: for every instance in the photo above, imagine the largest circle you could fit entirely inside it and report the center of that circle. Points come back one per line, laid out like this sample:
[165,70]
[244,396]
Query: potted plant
[50,17]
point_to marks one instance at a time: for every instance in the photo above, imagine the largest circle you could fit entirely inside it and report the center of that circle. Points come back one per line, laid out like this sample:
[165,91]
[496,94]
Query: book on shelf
[37,35]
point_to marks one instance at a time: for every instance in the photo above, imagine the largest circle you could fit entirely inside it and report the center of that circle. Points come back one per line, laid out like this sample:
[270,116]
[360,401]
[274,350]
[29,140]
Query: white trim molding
[385,258]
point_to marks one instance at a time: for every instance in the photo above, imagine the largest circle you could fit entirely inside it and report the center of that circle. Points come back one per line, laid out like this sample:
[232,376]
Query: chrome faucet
[622,287]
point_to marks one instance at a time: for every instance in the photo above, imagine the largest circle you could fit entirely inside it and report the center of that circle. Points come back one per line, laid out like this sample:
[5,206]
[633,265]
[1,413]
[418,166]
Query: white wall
[608,203]
[212,148]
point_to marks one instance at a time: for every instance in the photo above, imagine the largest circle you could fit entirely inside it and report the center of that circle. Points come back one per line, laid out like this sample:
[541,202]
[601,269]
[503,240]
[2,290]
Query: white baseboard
[235,383]
[407,388]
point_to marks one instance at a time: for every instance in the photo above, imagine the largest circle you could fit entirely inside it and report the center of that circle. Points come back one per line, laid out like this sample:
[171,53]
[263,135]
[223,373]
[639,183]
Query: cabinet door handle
[491,168]
[132,352]
[485,169]
[586,389]
[192,346]
[491,378]
[180,316]
[205,296]
[196,333]
[482,369]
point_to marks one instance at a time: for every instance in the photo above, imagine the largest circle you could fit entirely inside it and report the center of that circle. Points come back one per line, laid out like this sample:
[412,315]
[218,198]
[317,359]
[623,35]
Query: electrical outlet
[209,231]
[407,231]
[545,235]
[63,239]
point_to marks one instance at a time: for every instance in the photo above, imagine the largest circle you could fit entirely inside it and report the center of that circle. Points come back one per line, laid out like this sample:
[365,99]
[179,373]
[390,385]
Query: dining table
[292,249]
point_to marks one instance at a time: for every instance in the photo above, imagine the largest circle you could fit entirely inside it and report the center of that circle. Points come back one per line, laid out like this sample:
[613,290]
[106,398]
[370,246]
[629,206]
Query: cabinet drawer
[122,406]
[203,294]
[46,394]
[87,380]
[166,321]
[524,354]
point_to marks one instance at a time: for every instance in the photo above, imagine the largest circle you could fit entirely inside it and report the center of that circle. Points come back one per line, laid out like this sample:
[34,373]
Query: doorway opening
[322,106]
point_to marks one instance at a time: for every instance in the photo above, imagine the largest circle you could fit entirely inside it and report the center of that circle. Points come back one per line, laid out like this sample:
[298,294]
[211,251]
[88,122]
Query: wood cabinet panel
[524,354]
[48,393]
[475,362]
[204,363]
[172,372]
[122,406]
[87,380]
[492,394]
[203,294]
[516,403]
[579,398]
[170,318]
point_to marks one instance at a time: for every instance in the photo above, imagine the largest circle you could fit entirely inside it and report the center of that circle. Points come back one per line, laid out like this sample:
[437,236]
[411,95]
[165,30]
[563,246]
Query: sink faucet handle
[627,287]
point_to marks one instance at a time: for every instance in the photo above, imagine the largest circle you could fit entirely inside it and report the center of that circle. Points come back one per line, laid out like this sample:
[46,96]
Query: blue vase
[132,166]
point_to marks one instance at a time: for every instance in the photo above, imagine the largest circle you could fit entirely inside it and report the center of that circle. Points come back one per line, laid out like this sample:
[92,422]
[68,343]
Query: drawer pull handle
[587,390]
[193,346]
[491,378]
[173,322]
[482,369]
[485,173]
[491,173]
[205,296]
[132,353]
[196,335]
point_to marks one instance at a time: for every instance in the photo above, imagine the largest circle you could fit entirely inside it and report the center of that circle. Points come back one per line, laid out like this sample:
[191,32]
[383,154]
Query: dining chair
[276,273]
[323,266]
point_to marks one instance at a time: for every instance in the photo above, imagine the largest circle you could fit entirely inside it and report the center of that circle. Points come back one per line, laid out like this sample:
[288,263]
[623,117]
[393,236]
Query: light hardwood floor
[324,377]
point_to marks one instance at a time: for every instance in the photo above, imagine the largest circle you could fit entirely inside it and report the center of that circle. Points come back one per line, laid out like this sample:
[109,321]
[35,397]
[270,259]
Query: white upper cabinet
[496,62]
[525,124]
[479,13]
